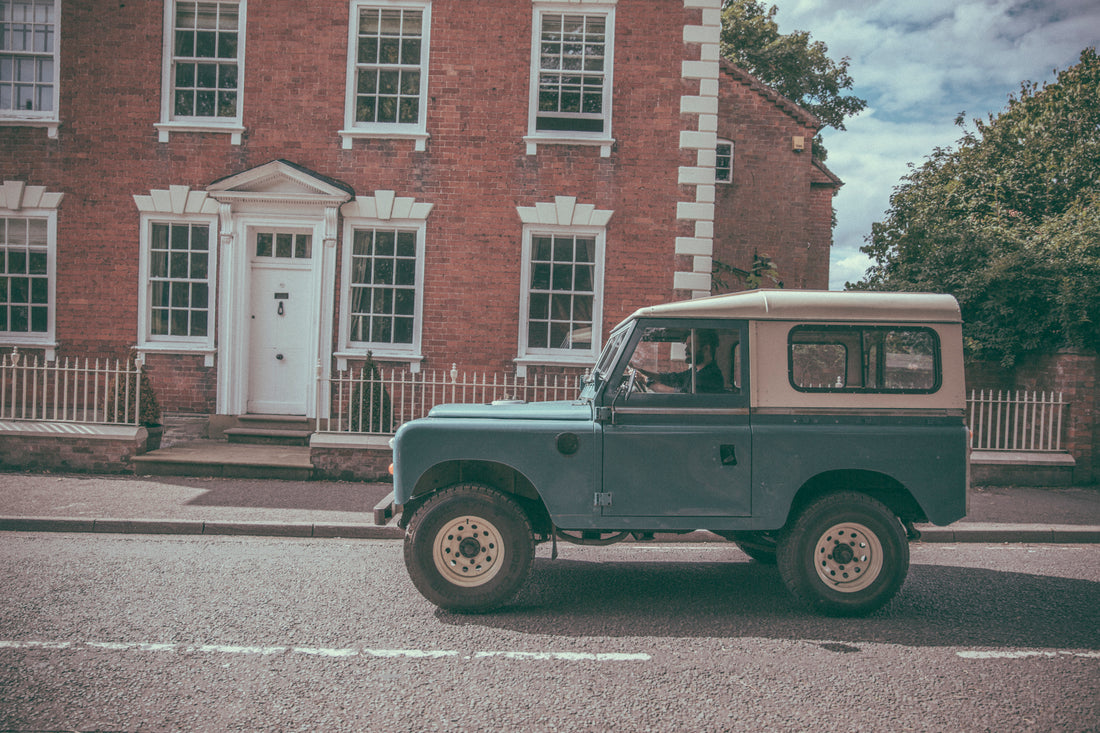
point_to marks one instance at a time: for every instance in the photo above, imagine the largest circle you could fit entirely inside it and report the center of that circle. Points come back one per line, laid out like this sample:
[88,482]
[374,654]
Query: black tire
[469,548]
[760,546]
[845,555]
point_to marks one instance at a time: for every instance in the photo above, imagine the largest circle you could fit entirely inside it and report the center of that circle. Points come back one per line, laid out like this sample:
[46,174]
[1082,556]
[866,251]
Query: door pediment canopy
[280,183]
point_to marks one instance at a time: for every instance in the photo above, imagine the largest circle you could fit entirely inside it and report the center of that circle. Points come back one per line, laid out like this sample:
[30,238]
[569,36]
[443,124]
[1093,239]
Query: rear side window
[864,359]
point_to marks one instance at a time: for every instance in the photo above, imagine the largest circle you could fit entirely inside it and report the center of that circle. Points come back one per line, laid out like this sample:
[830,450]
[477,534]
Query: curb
[991,532]
[966,532]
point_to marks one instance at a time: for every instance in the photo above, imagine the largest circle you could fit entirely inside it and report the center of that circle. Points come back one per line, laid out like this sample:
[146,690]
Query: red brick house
[254,196]
[775,198]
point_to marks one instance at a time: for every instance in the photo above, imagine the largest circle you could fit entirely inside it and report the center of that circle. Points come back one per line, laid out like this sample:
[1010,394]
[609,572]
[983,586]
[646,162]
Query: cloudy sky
[919,63]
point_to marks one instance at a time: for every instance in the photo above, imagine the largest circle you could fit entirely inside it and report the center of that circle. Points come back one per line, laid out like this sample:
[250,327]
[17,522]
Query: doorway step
[270,430]
[256,447]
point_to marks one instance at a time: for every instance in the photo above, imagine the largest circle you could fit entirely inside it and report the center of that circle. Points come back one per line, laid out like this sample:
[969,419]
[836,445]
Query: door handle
[279,357]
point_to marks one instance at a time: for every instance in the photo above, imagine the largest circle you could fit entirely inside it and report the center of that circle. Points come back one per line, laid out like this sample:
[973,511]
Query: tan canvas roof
[815,305]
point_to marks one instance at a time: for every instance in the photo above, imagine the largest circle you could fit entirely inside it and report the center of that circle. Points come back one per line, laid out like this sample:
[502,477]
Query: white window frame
[169,121]
[147,340]
[727,168]
[385,351]
[43,339]
[48,119]
[418,131]
[529,355]
[603,138]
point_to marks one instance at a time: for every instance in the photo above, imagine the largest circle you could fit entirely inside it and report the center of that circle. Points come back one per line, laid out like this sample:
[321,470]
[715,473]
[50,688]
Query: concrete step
[267,436]
[214,458]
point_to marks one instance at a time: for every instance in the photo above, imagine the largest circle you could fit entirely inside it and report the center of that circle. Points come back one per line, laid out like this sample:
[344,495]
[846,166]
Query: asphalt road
[184,633]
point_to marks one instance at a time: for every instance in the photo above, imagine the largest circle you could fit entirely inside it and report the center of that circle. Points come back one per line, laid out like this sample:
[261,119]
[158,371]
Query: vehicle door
[676,435]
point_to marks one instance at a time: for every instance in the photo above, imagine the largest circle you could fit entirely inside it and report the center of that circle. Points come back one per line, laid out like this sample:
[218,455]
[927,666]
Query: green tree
[792,64]
[1008,222]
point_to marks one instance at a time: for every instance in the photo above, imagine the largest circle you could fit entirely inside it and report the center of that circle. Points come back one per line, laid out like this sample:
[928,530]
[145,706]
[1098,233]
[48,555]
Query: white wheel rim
[468,551]
[848,557]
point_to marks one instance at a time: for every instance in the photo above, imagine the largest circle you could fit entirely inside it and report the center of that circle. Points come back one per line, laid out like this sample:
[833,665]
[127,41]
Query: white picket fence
[75,390]
[378,402]
[1007,420]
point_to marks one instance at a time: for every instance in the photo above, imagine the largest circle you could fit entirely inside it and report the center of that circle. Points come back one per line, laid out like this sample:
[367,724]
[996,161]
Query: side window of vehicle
[693,359]
[864,359]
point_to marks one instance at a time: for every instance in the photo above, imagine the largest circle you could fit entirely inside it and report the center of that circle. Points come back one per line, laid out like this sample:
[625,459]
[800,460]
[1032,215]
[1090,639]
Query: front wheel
[845,555]
[469,548]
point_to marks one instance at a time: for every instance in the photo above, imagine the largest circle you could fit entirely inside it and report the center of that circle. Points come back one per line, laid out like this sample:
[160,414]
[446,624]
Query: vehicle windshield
[603,366]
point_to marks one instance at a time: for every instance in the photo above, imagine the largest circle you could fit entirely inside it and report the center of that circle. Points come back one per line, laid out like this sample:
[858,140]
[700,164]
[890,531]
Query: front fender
[559,458]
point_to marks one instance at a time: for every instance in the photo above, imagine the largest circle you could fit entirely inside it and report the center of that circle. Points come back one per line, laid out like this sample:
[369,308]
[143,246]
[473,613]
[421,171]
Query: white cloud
[919,63]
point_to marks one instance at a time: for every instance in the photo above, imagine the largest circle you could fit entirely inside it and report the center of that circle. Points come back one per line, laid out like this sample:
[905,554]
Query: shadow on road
[332,496]
[937,606]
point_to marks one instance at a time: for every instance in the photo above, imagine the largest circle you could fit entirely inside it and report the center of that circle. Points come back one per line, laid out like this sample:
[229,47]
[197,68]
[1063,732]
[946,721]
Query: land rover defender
[813,429]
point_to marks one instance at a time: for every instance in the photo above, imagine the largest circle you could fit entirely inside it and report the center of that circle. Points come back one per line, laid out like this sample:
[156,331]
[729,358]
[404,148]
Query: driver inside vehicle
[703,372]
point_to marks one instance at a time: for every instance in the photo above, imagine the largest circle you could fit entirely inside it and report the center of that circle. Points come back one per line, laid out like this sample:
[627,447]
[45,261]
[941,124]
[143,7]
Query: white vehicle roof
[815,305]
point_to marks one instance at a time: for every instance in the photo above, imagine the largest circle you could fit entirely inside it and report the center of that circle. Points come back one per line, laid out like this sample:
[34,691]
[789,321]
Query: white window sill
[16,342]
[533,141]
[586,361]
[205,350]
[346,355]
[419,138]
[49,125]
[234,129]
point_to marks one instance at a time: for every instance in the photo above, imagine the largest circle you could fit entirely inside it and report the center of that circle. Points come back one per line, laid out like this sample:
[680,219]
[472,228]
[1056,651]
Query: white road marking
[1020,654]
[123,646]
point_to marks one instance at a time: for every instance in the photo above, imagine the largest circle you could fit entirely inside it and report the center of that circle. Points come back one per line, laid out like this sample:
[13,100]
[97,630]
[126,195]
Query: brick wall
[182,383]
[1074,374]
[778,202]
[475,169]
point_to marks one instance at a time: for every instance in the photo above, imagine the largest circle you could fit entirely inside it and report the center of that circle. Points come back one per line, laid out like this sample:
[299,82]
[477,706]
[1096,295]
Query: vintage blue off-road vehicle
[811,428]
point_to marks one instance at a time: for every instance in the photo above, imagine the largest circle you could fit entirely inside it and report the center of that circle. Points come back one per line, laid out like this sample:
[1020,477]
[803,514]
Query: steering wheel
[634,383]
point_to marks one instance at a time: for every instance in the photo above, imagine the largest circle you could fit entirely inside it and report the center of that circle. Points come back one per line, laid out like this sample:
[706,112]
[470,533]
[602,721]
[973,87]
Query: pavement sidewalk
[265,507]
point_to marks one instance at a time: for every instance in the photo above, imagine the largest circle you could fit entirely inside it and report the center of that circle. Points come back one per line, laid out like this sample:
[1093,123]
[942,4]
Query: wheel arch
[494,474]
[880,486]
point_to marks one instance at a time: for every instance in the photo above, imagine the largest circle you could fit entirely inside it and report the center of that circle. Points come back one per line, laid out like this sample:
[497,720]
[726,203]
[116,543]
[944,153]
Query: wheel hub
[469,547]
[468,551]
[848,557]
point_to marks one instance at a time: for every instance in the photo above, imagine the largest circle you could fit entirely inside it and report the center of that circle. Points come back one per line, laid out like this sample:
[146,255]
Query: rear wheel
[469,548]
[845,555]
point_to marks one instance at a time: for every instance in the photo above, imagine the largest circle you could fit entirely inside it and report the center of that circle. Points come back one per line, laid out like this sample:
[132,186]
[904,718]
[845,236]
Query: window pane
[406,244]
[405,273]
[264,247]
[303,246]
[402,330]
[404,302]
[284,245]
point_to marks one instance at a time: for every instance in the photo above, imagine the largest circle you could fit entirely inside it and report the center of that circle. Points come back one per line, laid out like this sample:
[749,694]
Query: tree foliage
[792,64]
[1008,222]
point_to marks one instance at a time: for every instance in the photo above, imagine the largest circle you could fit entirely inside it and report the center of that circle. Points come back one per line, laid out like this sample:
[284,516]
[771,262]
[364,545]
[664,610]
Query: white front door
[283,316]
